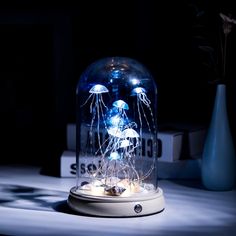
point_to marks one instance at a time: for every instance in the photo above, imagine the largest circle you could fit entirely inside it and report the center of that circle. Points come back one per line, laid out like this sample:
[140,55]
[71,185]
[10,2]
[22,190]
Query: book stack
[179,152]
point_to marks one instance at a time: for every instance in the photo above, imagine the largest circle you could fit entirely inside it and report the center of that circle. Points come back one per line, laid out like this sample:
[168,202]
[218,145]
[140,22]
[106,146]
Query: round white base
[116,206]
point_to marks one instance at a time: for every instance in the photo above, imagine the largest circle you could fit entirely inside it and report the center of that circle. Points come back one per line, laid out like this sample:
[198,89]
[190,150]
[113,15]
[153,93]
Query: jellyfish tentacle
[134,171]
[98,89]
[101,146]
[141,126]
[102,102]
[98,126]
[103,116]
[91,130]
[144,114]
[147,174]
[143,97]
[87,100]
[91,105]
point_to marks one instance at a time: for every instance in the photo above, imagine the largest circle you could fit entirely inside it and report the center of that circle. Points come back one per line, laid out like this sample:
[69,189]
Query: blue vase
[218,159]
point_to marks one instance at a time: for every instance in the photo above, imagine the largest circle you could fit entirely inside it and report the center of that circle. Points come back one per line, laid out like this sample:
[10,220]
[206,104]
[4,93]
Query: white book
[193,138]
[169,143]
[176,141]
[181,169]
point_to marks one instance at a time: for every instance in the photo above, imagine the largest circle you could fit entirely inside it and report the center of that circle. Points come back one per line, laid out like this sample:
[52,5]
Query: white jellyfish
[131,133]
[97,106]
[114,156]
[130,141]
[141,93]
[120,104]
[142,98]
[98,88]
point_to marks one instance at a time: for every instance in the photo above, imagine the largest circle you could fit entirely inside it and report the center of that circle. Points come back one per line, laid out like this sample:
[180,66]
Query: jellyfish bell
[130,133]
[121,104]
[138,90]
[114,156]
[98,88]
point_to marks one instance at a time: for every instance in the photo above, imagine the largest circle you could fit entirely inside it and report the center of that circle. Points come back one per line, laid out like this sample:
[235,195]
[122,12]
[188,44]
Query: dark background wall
[44,49]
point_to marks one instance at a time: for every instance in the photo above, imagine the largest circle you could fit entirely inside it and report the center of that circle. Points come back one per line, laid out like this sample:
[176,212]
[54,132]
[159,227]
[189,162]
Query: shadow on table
[62,206]
[24,197]
[29,198]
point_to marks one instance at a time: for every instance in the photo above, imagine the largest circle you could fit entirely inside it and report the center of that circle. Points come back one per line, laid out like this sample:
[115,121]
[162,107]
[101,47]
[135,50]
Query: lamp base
[116,206]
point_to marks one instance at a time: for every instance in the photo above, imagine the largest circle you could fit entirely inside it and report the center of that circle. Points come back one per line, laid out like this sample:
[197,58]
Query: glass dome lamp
[116,141]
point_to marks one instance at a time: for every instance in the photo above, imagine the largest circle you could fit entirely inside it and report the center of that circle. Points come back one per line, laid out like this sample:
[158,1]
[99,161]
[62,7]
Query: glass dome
[116,140]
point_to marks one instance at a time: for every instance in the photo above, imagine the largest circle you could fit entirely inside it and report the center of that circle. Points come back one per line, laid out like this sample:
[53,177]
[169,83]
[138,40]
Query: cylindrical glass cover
[116,138]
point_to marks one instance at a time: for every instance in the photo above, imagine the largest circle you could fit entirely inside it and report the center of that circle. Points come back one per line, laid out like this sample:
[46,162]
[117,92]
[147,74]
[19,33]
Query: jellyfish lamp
[116,141]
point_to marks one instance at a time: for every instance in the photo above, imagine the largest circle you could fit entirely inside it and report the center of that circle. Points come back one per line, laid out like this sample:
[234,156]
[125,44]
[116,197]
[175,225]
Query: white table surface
[33,204]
